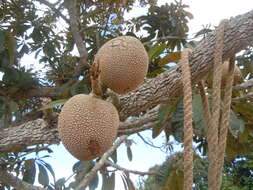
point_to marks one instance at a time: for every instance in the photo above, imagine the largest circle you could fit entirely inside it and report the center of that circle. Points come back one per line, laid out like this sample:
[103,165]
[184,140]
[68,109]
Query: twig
[84,183]
[136,130]
[246,97]
[148,143]
[15,182]
[129,171]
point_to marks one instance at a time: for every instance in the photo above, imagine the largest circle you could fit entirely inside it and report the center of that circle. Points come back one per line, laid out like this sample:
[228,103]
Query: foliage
[31,28]
[236,175]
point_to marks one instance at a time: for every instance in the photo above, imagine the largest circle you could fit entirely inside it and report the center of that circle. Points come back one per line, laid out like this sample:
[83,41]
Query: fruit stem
[95,84]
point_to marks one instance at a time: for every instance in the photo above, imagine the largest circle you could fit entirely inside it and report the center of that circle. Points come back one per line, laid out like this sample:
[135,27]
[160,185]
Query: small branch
[136,122]
[148,143]
[245,85]
[15,182]
[139,129]
[85,182]
[52,6]
[248,96]
[116,166]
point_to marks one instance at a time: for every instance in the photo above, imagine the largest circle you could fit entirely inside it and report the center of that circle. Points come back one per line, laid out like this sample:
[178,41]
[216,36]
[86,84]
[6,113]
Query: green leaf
[108,181]
[13,106]
[156,50]
[114,156]
[164,111]
[175,181]
[81,168]
[2,40]
[198,114]
[30,171]
[37,35]
[177,121]
[24,50]
[129,153]
[157,130]
[79,88]
[53,104]
[171,57]
[124,182]
[236,125]
[128,184]
[64,90]
[49,167]
[74,184]
[94,183]
[43,176]
[60,183]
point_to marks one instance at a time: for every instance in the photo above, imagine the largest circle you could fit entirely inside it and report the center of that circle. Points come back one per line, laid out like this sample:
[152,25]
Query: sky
[205,12]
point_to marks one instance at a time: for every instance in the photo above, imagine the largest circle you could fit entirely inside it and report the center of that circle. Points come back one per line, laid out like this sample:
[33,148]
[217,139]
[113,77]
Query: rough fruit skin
[123,62]
[87,126]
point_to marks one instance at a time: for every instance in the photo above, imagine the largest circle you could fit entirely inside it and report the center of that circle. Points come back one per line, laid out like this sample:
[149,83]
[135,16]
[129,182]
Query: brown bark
[166,88]
[35,132]
[15,182]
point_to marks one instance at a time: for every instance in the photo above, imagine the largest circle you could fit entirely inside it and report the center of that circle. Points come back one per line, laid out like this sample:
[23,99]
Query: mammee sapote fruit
[87,126]
[123,63]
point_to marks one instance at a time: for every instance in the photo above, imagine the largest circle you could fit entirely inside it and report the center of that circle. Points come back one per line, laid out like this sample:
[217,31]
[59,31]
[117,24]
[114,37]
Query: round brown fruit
[87,126]
[123,62]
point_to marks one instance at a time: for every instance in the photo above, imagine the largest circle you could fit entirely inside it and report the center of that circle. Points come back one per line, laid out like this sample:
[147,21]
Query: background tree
[64,36]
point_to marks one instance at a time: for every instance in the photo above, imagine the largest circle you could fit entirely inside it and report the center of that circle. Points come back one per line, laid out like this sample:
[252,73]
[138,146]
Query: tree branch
[75,29]
[116,166]
[167,87]
[88,177]
[35,132]
[15,182]
[248,96]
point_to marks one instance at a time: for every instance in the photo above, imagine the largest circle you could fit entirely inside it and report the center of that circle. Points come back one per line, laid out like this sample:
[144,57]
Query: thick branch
[72,9]
[35,132]
[88,177]
[167,87]
[15,182]
[31,133]
[41,92]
